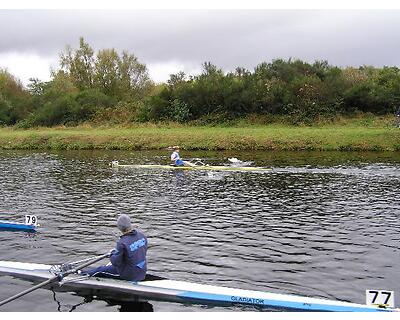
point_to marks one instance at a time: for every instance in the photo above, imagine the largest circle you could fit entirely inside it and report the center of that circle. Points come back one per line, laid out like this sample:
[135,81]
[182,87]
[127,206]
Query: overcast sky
[168,41]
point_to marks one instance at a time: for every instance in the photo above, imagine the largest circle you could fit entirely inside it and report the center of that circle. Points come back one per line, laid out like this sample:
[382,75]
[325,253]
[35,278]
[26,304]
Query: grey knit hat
[124,223]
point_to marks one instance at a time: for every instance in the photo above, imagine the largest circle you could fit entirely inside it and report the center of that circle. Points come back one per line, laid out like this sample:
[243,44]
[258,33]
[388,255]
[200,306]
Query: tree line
[109,87]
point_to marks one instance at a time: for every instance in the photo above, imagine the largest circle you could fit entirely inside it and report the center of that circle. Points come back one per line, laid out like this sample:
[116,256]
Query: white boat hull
[177,291]
[199,168]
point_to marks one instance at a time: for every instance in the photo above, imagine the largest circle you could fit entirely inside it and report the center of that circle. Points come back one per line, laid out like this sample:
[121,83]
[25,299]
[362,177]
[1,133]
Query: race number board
[384,298]
[31,220]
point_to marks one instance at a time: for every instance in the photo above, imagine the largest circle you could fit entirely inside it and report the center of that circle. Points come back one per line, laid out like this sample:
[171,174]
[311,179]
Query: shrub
[179,111]
[4,112]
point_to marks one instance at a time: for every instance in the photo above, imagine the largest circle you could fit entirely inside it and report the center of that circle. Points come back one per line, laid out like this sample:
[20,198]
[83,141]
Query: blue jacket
[130,256]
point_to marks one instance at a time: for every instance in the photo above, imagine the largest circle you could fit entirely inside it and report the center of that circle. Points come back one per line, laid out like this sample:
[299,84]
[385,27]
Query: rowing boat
[17,226]
[115,164]
[156,288]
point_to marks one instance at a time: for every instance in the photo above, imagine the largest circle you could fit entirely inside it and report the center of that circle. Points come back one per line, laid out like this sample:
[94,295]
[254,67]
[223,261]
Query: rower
[176,159]
[128,259]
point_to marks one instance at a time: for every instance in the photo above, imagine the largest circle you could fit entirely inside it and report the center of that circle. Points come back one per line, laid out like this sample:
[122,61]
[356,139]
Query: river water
[318,224]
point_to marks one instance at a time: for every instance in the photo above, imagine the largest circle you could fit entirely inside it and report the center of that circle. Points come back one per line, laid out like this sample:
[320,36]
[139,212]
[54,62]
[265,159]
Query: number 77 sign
[382,298]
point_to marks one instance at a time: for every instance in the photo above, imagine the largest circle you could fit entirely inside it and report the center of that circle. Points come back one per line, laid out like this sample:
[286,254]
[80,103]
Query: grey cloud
[228,38]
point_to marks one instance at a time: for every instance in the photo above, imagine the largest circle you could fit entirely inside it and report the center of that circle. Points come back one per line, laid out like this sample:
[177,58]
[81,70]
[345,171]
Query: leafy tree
[97,86]
[106,76]
[177,79]
[121,77]
[15,101]
[79,64]
[135,81]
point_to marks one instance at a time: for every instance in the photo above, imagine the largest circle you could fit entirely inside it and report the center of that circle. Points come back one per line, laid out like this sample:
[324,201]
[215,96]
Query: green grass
[343,136]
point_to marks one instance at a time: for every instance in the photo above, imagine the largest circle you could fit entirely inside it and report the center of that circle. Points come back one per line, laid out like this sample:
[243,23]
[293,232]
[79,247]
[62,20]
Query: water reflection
[135,306]
[69,308]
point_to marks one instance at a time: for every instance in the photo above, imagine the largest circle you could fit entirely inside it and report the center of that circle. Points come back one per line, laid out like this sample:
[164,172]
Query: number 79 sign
[30,219]
[382,298]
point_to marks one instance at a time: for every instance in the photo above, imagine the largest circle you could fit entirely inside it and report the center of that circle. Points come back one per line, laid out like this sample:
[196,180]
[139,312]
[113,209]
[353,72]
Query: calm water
[319,224]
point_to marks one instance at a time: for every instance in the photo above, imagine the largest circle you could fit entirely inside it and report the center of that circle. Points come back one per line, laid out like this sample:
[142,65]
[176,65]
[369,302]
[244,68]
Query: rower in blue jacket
[128,259]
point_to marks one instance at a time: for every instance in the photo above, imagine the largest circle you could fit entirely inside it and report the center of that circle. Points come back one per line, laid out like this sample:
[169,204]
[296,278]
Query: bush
[214,119]
[60,111]
[94,98]
[179,111]
[5,109]
[122,113]
[301,92]
[144,113]
[155,108]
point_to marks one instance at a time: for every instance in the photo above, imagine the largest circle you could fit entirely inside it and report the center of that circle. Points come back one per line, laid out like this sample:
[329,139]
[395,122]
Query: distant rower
[176,159]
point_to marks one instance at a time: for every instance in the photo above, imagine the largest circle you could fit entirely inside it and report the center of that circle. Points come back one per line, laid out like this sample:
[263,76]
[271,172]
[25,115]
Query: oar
[57,277]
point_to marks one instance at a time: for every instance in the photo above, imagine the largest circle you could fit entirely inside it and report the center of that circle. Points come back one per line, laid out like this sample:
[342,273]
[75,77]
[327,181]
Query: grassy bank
[339,137]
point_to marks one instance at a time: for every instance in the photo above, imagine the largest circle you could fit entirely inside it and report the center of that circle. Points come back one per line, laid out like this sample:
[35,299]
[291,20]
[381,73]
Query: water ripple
[323,230]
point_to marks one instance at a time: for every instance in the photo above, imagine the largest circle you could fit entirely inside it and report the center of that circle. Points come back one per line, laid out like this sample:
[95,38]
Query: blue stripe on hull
[277,303]
[17,227]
